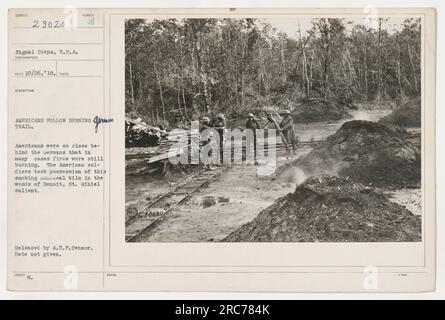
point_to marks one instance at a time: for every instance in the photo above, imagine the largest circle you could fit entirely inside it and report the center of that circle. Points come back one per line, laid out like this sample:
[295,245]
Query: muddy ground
[237,196]
[410,199]
[232,200]
[331,209]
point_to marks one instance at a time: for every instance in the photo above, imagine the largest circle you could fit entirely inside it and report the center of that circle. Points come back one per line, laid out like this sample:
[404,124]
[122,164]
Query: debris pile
[331,209]
[367,152]
[407,115]
[139,134]
[315,110]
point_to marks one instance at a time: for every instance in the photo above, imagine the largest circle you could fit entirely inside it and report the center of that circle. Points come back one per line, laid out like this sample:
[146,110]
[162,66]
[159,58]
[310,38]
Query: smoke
[296,175]
[363,115]
[368,115]
[293,175]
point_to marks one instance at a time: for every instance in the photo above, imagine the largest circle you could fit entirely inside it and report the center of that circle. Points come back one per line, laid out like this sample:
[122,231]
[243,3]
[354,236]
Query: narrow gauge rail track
[157,210]
[278,146]
[152,214]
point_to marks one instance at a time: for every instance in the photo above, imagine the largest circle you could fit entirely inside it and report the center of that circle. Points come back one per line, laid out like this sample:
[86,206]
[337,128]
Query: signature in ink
[98,121]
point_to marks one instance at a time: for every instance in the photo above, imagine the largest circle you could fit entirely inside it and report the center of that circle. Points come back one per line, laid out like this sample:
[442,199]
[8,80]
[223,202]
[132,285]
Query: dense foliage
[177,70]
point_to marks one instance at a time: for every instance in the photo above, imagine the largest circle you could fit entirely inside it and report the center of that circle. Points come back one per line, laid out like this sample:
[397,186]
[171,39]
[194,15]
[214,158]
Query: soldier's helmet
[205,119]
[250,115]
[286,112]
[220,116]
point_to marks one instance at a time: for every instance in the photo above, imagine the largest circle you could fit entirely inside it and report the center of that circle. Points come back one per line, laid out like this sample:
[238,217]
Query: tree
[180,69]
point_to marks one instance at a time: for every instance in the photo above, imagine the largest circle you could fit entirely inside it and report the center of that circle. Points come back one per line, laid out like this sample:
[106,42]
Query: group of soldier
[286,128]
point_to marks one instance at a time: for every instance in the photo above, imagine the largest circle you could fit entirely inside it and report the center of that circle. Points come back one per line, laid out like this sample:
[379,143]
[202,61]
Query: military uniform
[287,128]
[253,125]
[220,126]
[204,125]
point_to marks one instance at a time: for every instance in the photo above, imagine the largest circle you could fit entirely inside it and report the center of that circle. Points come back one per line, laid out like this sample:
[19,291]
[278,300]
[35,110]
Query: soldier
[204,125]
[220,121]
[253,125]
[251,122]
[287,128]
[220,126]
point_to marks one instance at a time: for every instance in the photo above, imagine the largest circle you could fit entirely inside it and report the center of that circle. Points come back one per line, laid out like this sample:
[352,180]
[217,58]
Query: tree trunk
[399,72]
[306,84]
[264,76]
[202,75]
[179,101]
[365,69]
[182,80]
[326,61]
[131,83]
[379,68]
[413,68]
[183,99]
[311,72]
[306,77]
[326,77]
[160,92]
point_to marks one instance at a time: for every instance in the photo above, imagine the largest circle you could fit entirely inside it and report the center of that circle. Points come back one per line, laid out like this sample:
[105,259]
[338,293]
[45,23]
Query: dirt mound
[331,209]
[366,151]
[315,110]
[408,114]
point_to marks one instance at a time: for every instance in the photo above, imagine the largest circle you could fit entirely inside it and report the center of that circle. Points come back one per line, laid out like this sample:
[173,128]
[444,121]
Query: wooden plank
[144,125]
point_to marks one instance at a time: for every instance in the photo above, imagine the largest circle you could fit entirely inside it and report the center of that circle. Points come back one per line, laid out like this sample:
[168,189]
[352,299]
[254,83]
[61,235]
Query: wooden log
[277,126]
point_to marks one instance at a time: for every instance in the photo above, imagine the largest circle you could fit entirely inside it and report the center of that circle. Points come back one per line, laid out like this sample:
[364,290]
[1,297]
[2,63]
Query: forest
[180,69]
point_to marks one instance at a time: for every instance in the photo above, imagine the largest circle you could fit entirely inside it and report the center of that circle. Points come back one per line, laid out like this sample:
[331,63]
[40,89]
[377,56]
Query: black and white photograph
[273,129]
[204,151]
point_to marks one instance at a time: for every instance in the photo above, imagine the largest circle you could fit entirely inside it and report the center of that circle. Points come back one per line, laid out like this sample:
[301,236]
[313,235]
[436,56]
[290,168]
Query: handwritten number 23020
[45,24]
